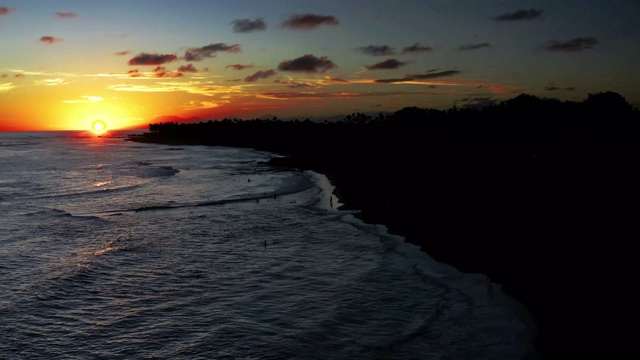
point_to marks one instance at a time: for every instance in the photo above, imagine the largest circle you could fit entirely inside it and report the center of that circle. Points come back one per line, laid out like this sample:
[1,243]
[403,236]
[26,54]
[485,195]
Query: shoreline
[486,293]
[545,215]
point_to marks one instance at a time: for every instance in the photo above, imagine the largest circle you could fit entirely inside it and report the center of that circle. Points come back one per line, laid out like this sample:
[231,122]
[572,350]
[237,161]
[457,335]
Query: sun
[99,126]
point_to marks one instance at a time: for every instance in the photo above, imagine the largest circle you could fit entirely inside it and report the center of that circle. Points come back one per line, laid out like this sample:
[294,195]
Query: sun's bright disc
[99,126]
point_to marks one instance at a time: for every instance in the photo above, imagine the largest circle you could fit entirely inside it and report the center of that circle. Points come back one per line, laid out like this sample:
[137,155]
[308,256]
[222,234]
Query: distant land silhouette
[539,194]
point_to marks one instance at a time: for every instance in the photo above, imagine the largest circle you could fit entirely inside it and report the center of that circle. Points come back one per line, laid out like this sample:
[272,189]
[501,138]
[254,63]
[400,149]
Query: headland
[538,194]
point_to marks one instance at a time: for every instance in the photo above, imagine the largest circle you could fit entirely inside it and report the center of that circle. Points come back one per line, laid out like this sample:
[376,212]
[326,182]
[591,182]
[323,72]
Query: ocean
[111,249]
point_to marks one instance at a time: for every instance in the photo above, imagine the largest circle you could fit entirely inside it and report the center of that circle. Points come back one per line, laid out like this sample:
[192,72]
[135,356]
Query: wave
[156,172]
[292,185]
[57,213]
[90,192]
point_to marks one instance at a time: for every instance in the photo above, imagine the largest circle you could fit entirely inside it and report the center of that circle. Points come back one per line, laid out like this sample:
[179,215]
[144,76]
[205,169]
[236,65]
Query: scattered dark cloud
[294,84]
[307,63]
[210,51]
[3,76]
[134,73]
[554,88]
[50,39]
[4,10]
[429,75]
[477,102]
[246,25]
[162,72]
[342,94]
[152,59]
[238,67]
[18,76]
[233,80]
[260,75]
[416,48]
[333,78]
[387,65]
[375,50]
[470,47]
[573,45]
[65,15]
[187,68]
[309,21]
[519,15]
[122,53]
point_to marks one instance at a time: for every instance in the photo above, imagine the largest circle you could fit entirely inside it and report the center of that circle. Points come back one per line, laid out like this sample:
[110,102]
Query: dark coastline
[537,194]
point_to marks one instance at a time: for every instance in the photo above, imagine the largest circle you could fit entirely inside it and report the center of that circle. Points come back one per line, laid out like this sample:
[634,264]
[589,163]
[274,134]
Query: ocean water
[111,249]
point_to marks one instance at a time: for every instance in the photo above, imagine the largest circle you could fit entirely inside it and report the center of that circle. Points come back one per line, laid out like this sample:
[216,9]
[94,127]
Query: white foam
[328,201]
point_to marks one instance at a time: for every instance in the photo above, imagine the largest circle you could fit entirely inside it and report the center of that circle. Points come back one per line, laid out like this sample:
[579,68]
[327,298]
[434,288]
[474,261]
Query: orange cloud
[64,15]
[50,39]
[260,75]
[187,68]
[152,59]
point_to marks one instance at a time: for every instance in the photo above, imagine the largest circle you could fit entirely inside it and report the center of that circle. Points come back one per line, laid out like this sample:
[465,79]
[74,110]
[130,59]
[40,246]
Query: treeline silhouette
[540,194]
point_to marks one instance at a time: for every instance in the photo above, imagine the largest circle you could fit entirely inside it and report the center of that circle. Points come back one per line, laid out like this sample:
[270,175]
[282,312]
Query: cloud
[387,65]
[294,84]
[307,63]
[416,48]
[477,102]
[6,86]
[204,88]
[238,67]
[65,15]
[134,73]
[192,105]
[554,88]
[309,21]
[429,75]
[18,75]
[85,100]
[210,51]
[335,79]
[520,15]
[337,95]
[470,47]
[122,53]
[52,82]
[246,25]
[382,50]
[143,88]
[50,39]
[187,68]
[4,10]
[152,59]
[260,75]
[573,45]
[161,72]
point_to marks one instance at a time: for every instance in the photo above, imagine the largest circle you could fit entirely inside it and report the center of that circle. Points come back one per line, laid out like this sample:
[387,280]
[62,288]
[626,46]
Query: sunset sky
[66,63]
